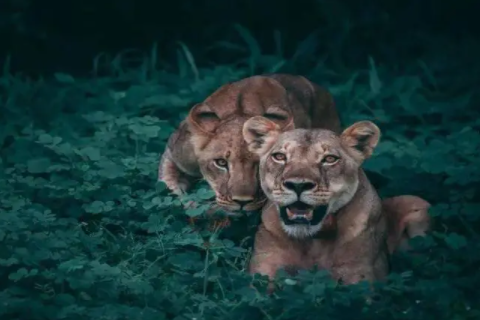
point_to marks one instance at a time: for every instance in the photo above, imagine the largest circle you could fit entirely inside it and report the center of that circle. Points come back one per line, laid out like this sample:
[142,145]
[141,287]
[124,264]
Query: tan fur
[178,167]
[407,217]
[357,248]
[213,130]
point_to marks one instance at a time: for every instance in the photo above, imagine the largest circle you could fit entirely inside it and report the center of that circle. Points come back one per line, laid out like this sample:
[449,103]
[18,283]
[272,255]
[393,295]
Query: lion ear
[281,117]
[260,134]
[202,118]
[361,138]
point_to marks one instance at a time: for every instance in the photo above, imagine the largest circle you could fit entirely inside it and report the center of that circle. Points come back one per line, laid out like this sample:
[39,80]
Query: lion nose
[299,186]
[243,201]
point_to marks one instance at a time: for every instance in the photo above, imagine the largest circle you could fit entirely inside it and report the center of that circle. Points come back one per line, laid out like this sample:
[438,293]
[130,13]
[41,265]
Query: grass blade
[190,60]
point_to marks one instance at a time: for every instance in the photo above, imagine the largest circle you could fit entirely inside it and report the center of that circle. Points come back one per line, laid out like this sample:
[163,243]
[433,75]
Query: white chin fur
[301,231]
[306,231]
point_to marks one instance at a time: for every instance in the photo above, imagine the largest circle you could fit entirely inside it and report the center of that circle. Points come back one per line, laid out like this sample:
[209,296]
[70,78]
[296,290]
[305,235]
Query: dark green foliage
[87,233]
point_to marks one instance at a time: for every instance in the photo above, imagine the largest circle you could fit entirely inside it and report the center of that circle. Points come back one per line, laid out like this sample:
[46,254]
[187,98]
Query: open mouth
[302,213]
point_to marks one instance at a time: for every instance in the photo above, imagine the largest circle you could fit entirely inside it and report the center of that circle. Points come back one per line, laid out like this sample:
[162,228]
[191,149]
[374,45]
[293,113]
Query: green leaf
[147,131]
[64,78]
[9,262]
[45,138]
[205,194]
[39,165]
[195,212]
[18,275]
[92,153]
[110,169]
[95,207]
[315,289]
[187,261]
[379,163]
[455,241]
[64,299]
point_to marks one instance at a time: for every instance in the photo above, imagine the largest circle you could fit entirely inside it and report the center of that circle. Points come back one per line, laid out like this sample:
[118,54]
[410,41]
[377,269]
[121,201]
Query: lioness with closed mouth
[309,177]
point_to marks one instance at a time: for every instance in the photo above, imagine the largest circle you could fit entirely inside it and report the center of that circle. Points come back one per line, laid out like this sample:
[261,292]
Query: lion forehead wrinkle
[242,157]
[308,138]
[291,146]
[320,149]
[313,155]
[324,147]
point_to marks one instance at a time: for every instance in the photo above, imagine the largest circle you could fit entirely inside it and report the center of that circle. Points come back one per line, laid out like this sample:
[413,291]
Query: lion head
[309,174]
[229,168]
[223,157]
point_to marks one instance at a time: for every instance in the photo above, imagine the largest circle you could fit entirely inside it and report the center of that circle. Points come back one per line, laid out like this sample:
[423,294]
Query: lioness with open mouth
[312,177]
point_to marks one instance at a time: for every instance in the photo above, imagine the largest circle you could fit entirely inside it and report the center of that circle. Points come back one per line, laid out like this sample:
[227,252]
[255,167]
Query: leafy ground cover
[86,232]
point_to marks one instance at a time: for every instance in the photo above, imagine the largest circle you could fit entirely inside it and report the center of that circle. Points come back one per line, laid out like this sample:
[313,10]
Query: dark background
[44,36]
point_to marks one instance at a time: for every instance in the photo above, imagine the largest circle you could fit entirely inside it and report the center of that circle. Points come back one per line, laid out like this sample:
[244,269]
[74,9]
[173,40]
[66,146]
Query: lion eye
[221,163]
[279,156]
[330,159]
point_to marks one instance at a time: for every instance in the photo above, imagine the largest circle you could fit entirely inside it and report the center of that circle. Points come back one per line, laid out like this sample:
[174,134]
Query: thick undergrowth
[86,232]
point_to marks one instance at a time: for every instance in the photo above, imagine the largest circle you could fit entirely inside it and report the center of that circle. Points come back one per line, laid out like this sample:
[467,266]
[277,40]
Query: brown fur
[357,249]
[212,131]
[407,217]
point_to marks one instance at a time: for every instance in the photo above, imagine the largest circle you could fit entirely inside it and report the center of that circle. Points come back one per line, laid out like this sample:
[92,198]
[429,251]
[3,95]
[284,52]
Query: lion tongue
[295,213]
